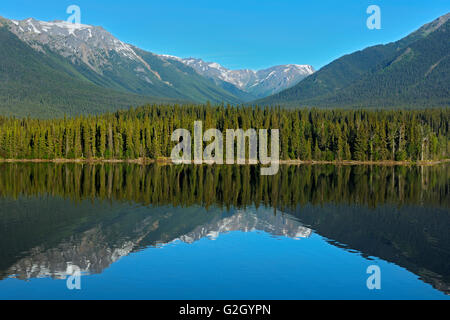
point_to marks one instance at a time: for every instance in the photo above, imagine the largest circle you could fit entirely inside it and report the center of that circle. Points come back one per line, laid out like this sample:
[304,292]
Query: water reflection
[92,215]
[95,248]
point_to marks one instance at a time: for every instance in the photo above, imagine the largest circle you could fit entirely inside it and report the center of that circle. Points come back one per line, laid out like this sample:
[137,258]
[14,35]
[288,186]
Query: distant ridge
[412,72]
[256,84]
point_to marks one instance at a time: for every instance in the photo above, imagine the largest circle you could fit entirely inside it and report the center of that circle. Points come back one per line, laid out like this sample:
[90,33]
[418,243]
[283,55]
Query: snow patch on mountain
[91,44]
[260,83]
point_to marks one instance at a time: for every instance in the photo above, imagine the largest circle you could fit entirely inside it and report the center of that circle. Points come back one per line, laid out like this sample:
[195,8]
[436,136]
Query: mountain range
[63,68]
[256,84]
[51,69]
[413,71]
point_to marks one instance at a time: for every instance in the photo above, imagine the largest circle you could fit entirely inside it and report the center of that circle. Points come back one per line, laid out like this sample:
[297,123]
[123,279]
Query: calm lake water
[223,232]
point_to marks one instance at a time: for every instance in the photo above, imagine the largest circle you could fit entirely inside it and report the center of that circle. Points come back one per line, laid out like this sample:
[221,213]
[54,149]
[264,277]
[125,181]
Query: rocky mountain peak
[92,45]
[259,83]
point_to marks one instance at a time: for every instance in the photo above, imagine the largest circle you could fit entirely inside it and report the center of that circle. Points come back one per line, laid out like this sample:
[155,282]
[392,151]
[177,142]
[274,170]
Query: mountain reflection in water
[56,215]
[97,247]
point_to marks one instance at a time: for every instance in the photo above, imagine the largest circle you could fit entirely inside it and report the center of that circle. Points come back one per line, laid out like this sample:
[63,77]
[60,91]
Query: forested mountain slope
[57,71]
[413,71]
[44,85]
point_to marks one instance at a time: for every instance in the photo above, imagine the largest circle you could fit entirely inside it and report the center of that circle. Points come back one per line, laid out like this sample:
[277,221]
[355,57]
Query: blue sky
[250,34]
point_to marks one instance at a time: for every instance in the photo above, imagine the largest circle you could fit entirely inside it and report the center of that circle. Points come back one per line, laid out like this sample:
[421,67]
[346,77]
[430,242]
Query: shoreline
[164,161]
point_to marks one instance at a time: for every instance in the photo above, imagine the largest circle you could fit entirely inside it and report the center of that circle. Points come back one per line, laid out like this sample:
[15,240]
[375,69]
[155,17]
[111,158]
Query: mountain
[54,68]
[109,62]
[256,84]
[413,71]
[93,55]
[44,85]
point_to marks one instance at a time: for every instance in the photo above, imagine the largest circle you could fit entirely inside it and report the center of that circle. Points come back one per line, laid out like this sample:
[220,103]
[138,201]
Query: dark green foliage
[145,132]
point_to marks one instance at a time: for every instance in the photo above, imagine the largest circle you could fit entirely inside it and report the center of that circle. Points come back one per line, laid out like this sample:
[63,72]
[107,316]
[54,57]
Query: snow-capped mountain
[259,83]
[89,57]
[91,45]
[95,55]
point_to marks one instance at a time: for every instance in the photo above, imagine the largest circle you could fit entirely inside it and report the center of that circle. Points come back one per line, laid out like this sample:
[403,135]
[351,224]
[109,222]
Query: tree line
[305,134]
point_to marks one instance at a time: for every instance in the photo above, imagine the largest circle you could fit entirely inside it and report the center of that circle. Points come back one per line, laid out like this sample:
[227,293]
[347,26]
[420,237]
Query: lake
[223,232]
